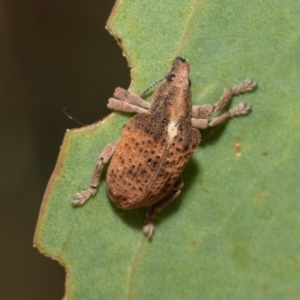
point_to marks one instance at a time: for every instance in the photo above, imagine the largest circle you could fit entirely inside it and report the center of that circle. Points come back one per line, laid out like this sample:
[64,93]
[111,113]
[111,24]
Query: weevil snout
[179,74]
[179,62]
[181,59]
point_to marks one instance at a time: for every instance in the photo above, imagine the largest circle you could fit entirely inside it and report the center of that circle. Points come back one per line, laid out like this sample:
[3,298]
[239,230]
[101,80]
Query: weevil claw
[149,229]
[241,109]
[81,197]
[249,85]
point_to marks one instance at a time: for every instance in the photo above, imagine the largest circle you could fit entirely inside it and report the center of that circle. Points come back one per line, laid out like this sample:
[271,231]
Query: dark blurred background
[53,55]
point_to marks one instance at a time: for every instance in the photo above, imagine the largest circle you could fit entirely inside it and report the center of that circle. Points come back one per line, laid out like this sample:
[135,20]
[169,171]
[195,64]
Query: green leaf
[234,231]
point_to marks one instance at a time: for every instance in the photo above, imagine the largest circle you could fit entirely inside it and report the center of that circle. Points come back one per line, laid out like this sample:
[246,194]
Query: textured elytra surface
[146,163]
[234,231]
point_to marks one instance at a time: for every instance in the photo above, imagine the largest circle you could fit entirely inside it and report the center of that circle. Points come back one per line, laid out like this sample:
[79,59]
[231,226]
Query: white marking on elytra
[172,130]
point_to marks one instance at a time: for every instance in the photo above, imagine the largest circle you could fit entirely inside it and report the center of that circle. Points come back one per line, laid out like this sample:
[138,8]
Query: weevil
[147,162]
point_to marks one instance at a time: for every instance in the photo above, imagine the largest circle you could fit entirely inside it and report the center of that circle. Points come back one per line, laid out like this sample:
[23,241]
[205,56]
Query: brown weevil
[155,146]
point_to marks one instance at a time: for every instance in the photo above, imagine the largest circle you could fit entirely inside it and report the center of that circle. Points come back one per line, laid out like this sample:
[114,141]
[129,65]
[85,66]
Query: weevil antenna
[71,118]
[151,86]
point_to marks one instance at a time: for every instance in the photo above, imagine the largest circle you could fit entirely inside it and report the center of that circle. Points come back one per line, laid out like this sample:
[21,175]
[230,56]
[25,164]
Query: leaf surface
[234,231]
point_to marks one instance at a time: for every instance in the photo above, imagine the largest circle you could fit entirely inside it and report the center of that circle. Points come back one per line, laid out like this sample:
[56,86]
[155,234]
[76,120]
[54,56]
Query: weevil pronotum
[155,146]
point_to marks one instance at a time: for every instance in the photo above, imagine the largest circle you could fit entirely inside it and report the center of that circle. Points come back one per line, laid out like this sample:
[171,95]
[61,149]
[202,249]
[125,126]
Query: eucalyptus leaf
[234,232]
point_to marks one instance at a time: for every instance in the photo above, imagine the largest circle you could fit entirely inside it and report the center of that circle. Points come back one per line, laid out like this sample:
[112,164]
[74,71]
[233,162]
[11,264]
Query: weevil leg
[104,157]
[228,93]
[130,97]
[199,113]
[246,86]
[127,101]
[123,106]
[159,206]
[241,109]
[202,111]
[199,123]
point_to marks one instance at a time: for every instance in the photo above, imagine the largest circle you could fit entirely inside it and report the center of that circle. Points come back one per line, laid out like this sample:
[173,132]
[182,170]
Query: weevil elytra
[146,164]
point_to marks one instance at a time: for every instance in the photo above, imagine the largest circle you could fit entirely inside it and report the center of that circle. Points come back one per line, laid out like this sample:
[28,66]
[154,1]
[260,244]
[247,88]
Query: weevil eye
[170,77]
[190,83]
